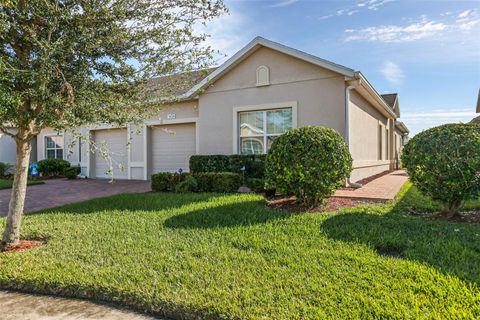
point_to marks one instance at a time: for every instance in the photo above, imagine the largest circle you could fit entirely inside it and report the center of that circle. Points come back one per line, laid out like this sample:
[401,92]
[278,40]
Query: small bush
[256,185]
[309,162]
[5,169]
[222,182]
[187,185]
[166,181]
[444,164]
[72,172]
[53,167]
[254,164]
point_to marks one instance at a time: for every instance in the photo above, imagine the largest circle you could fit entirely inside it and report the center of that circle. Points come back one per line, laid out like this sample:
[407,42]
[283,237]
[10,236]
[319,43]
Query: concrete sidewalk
[21,306]
[384,188]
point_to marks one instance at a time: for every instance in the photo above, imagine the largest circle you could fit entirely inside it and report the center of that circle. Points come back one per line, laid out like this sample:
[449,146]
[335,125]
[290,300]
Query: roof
[209,76]
[392,100]
[476,120]
[400,125]
[175,85]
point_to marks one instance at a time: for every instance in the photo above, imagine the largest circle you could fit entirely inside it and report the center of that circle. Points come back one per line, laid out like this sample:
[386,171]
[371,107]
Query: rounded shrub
[187,185]
[444,164]
[309,162]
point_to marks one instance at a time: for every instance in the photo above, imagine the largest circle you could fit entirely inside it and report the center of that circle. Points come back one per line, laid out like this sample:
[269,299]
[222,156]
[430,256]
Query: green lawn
[7,183]
[207,256]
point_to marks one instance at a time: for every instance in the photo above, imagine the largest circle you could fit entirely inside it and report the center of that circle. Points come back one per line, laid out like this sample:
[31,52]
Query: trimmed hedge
[444,164]
[309,162]
[72,172]
[187,185]
[167,181]
[53,167]
[221,182]
[254,164]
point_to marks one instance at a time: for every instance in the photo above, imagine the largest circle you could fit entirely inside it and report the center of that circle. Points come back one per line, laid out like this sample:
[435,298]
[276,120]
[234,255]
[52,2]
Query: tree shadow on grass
[130,202]
[242,213]
[451,248]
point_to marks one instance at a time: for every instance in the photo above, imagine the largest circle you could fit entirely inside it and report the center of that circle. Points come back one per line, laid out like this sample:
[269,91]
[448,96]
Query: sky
[426,51]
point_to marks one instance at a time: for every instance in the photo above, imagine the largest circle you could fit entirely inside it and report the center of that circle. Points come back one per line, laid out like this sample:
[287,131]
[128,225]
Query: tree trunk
[450,209]
[11,235]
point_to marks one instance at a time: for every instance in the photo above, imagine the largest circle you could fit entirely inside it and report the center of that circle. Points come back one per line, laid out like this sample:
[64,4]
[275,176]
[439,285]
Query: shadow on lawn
[451,248]
[130,202]
[243,213]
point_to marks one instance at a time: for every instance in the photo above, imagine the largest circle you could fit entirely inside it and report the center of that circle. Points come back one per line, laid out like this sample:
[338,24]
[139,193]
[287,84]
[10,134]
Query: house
[477,119]
[8,148]
[262,91]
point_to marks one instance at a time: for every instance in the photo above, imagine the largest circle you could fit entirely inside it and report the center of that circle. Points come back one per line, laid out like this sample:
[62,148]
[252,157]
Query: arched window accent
[263,76]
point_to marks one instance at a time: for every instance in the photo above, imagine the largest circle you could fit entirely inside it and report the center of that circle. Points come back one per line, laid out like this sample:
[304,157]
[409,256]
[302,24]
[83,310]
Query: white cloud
[282,4]
[464,14]
[363,5]
[392,73]
[395,33]
[418,29]
[422,120]
[375,4]
[227,34]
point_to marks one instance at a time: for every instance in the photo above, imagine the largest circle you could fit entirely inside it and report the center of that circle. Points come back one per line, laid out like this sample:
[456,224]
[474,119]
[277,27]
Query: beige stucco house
[262,91]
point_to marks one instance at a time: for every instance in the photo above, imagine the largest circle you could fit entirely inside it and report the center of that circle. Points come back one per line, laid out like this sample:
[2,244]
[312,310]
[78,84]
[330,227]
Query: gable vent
[263,76]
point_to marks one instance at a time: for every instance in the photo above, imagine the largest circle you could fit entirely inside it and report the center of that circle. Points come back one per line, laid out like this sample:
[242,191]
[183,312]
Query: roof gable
[254,45]
[392,100]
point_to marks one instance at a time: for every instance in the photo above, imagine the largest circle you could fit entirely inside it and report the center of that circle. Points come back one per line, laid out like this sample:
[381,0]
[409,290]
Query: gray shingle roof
[390,99]
[176,84]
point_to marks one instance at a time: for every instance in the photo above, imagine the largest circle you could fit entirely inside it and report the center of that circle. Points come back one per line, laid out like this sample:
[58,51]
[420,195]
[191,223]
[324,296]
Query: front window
[258,129]
[54,147]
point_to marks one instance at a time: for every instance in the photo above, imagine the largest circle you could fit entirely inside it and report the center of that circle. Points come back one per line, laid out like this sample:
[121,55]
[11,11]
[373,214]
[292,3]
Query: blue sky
[427,51]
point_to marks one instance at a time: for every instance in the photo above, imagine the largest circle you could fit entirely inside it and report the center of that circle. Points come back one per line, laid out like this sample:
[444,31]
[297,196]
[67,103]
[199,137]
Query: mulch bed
[332,204]
[468,216]
[23,245]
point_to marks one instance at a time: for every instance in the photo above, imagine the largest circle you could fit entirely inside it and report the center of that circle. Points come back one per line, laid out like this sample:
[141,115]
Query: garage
[114,141]
[172,146]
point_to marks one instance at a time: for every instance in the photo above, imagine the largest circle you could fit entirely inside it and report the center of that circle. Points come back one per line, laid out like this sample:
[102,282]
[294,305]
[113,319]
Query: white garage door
[113,141]
[172,146]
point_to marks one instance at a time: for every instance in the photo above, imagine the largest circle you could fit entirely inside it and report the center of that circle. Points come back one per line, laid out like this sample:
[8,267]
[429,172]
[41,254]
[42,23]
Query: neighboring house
[477,119]
[8,148]
[259,93]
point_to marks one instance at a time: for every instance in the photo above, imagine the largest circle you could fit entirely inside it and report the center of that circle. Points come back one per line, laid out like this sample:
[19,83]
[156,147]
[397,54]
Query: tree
[68,63]
[444,164]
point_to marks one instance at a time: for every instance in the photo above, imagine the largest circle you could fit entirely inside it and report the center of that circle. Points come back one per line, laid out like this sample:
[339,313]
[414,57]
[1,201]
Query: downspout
[351,85]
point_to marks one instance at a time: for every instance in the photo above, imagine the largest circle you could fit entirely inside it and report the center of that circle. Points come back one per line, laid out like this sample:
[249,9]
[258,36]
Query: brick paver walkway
[59,192]
[384,188]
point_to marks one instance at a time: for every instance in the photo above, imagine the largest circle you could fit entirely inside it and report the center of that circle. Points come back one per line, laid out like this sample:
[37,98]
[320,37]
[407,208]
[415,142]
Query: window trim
[261,107]
[45,145]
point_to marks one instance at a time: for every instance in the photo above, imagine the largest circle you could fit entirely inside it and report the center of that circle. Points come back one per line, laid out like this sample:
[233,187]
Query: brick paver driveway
[59,192]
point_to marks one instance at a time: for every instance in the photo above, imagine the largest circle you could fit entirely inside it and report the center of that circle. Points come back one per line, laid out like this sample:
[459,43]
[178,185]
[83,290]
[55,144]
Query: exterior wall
[365,138]
[318,93]
[397,147]
[41,142]
[139,140]
[7,148]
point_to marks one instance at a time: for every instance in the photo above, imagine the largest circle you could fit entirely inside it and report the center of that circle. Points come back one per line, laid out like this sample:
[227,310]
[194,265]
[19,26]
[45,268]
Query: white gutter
[352,85]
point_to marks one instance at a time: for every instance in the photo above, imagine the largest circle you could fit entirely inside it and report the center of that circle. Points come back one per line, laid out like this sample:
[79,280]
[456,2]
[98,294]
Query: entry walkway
[384,188]
[20,306]
[59,192]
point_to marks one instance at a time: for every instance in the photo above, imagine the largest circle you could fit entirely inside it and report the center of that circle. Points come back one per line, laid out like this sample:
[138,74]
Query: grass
[191,256]
[7,183]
